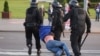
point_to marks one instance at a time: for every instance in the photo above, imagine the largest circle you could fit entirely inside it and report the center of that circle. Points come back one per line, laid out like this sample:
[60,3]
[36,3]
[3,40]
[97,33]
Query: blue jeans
[97,16]
[57,47]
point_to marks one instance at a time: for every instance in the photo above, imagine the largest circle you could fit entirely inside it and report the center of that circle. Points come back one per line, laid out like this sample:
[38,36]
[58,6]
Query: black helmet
[34,3]
[73,3]
[56,4]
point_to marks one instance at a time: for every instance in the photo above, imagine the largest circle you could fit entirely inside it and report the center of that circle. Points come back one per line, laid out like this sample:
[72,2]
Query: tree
[63,2]
[6,13]
[6,7]
[80,0]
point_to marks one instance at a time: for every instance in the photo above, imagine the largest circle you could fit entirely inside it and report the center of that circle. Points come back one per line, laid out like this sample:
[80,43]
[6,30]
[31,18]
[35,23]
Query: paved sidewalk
[17,25]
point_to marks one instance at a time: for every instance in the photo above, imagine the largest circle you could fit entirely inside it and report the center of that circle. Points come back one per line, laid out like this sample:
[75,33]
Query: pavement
[17,25]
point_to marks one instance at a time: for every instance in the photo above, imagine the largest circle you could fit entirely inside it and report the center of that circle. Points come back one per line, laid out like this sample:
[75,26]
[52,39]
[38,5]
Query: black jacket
[78,17]
[33,16]
[57,22]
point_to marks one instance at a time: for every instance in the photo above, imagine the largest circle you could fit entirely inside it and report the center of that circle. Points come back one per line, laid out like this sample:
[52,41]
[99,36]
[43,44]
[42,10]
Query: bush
[92,5]
[6,7]
[90,0]
[63,2]
[95,0]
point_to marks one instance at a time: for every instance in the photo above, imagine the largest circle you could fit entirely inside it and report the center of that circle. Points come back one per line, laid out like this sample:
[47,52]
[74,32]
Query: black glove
[88,31]
[24,23]
[52,29]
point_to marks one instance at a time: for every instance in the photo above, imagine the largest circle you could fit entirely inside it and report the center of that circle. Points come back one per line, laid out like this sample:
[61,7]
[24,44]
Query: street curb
[24,31]
[12,31]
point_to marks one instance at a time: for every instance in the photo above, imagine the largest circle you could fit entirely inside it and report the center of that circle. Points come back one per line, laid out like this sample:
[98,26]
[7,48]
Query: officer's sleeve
[26,17]
[88,23]
[54,19]
[67,16]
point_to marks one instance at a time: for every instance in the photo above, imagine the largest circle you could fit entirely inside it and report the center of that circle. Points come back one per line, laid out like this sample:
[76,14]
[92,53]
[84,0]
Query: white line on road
[1,37]
[16,53]
[90,51]
[24,51]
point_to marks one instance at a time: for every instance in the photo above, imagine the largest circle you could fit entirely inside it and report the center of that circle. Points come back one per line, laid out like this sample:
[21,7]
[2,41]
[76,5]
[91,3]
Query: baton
[84,40]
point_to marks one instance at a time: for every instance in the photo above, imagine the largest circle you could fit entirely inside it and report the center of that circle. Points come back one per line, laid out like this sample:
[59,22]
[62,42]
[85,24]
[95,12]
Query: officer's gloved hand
[88,31]
[24,24]
[52,29]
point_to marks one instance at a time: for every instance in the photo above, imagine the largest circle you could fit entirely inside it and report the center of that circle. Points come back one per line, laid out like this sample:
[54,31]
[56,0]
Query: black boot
[38,51]
[29,49]
[78,55]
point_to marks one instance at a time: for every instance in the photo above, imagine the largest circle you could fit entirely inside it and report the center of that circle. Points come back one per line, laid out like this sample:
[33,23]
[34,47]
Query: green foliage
[80,0]
[18,8]
[63,2]
[92,5]
[6,7]
[95,0]
[90,0]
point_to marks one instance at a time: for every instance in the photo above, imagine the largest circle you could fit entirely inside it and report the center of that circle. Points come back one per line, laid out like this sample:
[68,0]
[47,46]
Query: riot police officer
[32,23]
[57,22]
[78,17]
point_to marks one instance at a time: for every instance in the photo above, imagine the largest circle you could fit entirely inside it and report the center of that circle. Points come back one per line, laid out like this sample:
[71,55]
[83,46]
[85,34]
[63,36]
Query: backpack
[58,20]
[30,20]
[80,15]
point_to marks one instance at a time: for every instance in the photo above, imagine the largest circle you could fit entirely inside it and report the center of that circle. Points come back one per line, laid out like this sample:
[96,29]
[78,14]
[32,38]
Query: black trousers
[75,38]
[57,35]
[29,31]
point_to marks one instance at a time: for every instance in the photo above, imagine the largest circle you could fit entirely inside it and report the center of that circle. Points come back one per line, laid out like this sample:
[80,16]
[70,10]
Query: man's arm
[39,17]
[54,19]
[67,16]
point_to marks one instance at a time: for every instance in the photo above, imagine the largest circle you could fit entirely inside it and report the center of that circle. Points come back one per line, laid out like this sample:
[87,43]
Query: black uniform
[78,17]
[57,23]
[57,20]
[32,23]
